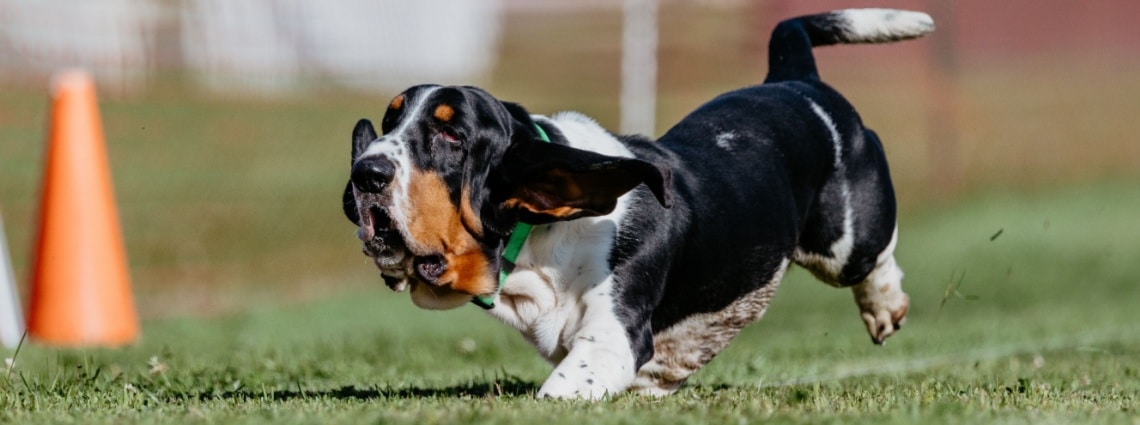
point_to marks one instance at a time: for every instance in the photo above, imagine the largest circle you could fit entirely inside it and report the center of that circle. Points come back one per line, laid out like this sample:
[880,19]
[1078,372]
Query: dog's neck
[582,132]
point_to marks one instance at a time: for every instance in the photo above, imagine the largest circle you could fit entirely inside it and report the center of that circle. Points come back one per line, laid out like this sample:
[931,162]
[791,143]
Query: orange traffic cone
[81,292]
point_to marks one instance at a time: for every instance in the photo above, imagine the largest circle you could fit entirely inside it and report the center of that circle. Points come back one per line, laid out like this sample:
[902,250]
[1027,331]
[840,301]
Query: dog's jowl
[630,263]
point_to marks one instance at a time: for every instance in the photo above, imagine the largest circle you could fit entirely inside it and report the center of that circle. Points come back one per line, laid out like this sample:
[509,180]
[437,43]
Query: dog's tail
[789,50]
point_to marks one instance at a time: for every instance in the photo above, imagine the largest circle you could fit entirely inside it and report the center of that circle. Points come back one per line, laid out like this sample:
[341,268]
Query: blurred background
[228,123]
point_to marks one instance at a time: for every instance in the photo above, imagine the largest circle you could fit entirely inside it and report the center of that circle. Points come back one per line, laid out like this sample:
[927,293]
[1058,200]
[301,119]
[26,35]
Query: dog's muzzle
[371,177]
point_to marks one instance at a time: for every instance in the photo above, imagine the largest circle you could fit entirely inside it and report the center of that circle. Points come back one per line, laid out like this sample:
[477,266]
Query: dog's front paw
[882,307]
[560,386]
[582,380]
[589,374]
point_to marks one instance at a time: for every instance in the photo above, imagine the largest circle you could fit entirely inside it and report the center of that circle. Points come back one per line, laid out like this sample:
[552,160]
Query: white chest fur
[560,294]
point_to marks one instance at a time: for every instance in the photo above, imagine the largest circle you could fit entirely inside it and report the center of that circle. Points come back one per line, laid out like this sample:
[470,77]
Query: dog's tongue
[369,220]
[366,232]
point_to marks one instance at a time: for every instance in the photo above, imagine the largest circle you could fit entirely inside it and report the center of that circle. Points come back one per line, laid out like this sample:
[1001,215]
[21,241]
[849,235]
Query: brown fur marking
[444,112]
[563,211]
[397,102]
[436,225]
[562,193]
[467,213]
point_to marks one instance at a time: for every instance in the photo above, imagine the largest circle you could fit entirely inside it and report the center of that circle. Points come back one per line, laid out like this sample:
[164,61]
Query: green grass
[1041,326]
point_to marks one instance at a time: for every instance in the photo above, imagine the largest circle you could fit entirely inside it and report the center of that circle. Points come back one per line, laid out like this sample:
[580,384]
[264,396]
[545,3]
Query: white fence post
[639,67]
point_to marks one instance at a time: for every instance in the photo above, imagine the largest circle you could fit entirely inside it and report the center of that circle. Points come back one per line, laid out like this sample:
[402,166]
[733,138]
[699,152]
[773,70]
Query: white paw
[882,302]
[565,387]
[883,321]
[593,379]
[883,309]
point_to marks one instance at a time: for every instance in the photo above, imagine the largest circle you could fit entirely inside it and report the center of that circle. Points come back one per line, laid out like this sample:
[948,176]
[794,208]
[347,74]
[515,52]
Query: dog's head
[439,192]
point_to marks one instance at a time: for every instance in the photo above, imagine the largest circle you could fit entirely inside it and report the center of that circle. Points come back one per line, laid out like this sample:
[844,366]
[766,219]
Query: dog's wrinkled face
[436,196]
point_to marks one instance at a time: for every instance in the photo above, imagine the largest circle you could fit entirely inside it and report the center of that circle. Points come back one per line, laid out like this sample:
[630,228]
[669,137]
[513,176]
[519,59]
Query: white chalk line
[906,366]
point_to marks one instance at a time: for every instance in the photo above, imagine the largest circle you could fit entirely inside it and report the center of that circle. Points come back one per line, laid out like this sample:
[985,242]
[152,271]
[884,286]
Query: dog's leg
[882,302]
[600,360]
[685,347]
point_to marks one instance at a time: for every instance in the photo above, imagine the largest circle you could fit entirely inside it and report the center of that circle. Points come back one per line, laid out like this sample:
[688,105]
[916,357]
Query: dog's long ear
[362,135]
[549,182]
[518,113]
[522,125]
[349,203]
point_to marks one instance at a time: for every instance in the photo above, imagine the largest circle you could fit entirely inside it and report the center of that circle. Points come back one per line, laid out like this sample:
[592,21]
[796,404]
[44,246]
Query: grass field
[1023,311]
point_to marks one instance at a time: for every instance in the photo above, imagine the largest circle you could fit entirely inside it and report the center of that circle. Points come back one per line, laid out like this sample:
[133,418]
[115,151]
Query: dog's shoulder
[583,132]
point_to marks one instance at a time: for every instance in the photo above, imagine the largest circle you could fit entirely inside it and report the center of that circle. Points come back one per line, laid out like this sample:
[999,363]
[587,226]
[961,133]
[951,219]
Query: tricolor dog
[630,263]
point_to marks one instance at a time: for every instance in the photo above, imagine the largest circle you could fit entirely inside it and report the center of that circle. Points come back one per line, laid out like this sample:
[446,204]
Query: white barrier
[11,318]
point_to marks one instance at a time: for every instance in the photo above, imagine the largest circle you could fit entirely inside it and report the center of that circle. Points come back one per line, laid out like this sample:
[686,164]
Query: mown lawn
[1024,310]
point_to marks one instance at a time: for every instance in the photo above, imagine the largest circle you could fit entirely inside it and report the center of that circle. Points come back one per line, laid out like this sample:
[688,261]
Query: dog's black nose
[372,174]
[430,267]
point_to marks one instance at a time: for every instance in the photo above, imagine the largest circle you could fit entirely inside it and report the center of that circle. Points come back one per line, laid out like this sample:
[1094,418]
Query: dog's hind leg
[881,300]
[685,347]
[882,303]
[850,235]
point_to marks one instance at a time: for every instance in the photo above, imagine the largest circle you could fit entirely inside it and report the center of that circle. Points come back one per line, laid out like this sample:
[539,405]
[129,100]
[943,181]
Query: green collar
[511,252]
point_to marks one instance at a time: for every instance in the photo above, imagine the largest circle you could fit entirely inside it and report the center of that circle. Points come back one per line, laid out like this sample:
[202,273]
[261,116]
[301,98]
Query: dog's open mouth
[382,242]
[400,268]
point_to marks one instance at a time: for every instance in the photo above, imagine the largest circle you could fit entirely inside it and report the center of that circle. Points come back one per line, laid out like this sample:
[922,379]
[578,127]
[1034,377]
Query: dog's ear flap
[518,113]
[349,203]
[550,182]
[522,125]
[362,135]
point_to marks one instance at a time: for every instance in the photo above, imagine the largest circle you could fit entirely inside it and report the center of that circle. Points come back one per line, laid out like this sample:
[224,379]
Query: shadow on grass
[497,388]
